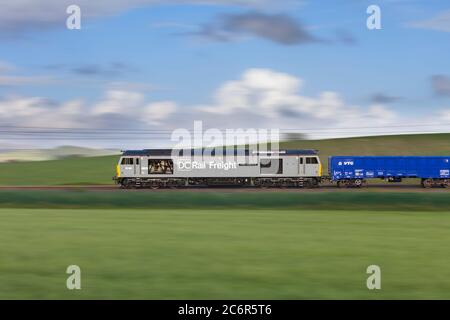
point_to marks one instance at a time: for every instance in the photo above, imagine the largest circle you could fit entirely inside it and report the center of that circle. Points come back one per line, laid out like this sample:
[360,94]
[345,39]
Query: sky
[136,70]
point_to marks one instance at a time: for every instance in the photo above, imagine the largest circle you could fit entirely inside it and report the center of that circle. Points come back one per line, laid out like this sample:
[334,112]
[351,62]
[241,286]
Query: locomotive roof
[168,152]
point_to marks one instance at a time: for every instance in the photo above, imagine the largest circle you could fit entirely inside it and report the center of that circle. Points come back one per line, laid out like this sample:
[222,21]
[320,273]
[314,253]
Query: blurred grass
[358,200]
[99,170]
[223,254]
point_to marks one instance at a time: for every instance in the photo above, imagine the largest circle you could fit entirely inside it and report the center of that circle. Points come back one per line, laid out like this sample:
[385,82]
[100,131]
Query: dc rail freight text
[166,168]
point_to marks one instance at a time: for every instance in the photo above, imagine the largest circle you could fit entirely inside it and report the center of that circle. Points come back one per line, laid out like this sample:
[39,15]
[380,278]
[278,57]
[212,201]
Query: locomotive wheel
[307,184]
[357,183]
[155,185]
[260,183]
[284,184]
[446,184]
[344,184]
[125,184]
[264,185]
[427,183]
[315,183]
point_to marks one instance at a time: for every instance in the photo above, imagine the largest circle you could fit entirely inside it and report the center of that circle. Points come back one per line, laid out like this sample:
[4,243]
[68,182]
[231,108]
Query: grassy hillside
[99,170]
[223,254]
[72,171]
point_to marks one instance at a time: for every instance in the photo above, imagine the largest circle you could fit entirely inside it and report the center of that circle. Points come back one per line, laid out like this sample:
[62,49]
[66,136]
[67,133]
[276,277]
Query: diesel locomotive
[177,168]
[167,168]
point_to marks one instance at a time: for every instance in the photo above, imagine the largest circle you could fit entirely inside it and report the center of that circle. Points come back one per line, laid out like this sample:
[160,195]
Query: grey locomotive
[162,168]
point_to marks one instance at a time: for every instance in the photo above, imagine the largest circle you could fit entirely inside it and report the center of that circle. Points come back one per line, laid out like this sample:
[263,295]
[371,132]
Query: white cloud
[18,107]
[261,90]
[128,109]
[382,112]
[440,22]
[276,96]
[119,101]
[155,112]
[41,112]
[444,115]
[260,98]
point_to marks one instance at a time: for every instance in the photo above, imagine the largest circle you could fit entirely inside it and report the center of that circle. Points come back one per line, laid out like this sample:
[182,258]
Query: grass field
[99,170]
[358,200]
[219,254]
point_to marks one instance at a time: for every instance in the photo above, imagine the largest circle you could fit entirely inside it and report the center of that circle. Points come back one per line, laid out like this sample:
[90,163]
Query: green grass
[358,200]
[71,171]
[221,254]
[99,170]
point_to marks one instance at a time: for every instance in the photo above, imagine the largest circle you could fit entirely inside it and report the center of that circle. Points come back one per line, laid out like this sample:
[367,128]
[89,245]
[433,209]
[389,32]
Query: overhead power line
[7,128]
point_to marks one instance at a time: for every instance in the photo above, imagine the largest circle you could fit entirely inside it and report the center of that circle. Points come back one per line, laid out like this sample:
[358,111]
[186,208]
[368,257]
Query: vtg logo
[346,163]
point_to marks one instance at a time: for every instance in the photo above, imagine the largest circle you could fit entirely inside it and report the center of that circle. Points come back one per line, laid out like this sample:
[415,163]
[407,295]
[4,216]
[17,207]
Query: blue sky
[181,54]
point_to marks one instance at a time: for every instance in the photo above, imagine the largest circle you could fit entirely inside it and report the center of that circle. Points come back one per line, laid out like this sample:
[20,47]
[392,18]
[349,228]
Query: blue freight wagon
[353,171]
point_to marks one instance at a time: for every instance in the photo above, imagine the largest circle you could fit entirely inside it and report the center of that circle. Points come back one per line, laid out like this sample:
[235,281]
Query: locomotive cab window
[311,160]
[271,166]
[160,166]
[127,161]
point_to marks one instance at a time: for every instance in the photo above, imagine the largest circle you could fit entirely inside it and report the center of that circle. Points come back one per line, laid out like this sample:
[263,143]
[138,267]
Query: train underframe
[426,183]
[157,183]
[288,182]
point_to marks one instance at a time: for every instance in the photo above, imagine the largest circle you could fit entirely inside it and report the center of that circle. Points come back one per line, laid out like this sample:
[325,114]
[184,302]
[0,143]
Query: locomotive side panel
[158,167]
[142,168]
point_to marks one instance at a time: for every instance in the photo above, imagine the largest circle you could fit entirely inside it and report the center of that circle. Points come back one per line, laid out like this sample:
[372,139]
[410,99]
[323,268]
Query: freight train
[167,168]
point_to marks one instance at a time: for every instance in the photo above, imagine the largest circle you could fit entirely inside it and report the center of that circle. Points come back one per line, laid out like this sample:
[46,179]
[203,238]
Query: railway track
[326,188]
